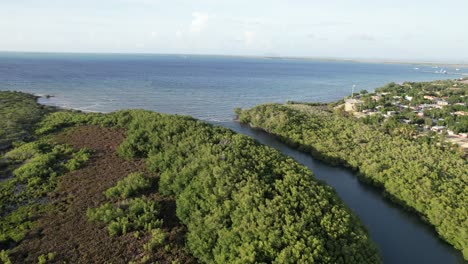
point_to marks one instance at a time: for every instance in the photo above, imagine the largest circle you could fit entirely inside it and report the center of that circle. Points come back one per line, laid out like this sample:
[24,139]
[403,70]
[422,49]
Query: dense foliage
[422,176]
[134,183]
[128,215]
[18,113]
[242,202]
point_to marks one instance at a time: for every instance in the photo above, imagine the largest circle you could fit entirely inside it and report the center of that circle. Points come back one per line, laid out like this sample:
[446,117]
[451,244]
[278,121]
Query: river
[402,237]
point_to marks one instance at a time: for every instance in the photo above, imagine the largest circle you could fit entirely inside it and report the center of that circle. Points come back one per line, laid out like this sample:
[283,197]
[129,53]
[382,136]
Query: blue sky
[368,29]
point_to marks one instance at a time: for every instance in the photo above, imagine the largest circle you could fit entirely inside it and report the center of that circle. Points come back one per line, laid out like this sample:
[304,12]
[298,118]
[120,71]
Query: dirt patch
[66,231]
[462,142]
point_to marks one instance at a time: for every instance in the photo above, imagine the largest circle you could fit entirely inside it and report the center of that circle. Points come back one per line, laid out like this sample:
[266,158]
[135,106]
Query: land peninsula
[141,187]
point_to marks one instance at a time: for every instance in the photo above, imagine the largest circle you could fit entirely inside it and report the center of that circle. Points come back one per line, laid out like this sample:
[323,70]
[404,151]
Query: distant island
[399,138]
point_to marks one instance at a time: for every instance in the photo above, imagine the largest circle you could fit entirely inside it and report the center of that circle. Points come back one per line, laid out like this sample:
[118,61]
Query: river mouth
[401,236]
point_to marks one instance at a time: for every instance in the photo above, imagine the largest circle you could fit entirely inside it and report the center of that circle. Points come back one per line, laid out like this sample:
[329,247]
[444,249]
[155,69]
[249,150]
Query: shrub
[4,257]
[133,184]
[15,225]
[26,151]
[129,215]
[158,236]
[43,259]
[78,159]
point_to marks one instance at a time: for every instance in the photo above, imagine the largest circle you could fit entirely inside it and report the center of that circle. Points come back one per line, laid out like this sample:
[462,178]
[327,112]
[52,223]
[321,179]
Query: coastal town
[428,108]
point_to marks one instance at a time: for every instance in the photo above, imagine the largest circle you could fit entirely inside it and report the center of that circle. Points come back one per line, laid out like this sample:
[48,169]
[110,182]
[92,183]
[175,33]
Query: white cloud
[249,37]
[179,34]
[199,21]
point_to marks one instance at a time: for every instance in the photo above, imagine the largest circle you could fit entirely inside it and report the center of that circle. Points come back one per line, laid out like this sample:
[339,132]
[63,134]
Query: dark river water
[210,87]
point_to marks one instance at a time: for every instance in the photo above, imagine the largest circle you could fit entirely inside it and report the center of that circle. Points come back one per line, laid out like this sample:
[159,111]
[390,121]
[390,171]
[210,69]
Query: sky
[403,30]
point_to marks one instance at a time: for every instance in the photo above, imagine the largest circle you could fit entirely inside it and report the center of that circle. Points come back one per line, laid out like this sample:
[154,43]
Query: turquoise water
[209,87]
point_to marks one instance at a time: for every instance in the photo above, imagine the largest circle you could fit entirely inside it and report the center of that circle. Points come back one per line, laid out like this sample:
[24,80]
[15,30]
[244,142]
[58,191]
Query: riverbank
[408,171]
[390,226]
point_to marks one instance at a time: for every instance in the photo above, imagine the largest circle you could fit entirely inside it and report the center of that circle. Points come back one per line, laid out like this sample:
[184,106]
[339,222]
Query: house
[376,97]
[391,113]
[461,113]
[352,105]
[409,98]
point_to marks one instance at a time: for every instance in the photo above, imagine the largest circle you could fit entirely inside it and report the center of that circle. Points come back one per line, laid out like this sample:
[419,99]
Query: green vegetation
[43,259]
[34,168]
[423,176]
[18,114]
[133,184]
[138,215]
[4,257]
[158,236]
[15,225]
[241,202]
[127,216]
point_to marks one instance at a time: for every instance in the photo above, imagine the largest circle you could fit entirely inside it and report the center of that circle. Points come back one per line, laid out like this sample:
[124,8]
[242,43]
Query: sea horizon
[433,62]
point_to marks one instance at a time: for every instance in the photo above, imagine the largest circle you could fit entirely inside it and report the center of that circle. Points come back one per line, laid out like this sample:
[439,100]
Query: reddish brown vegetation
[65,229]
